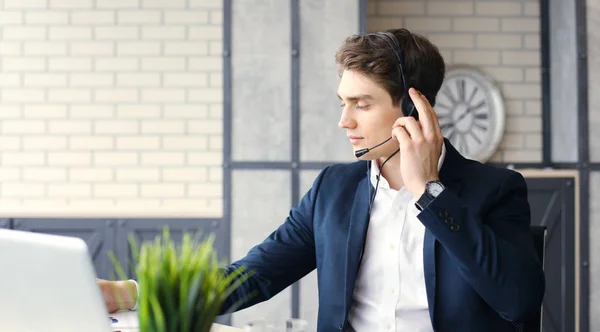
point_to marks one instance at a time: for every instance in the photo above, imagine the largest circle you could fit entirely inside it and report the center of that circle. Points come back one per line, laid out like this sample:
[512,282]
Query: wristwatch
[432,190]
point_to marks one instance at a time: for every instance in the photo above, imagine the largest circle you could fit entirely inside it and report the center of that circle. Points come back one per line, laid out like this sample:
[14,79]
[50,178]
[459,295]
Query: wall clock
[471,112]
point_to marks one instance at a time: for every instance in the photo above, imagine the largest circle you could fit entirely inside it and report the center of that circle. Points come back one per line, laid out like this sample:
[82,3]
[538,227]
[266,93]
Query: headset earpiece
[408,108]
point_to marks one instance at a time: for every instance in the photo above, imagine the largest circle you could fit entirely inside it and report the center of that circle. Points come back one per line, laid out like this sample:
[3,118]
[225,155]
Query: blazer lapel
[357,232]
[429,244]
[450,176]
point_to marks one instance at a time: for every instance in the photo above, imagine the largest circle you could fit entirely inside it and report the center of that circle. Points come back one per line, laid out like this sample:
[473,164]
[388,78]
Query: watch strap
[427,197]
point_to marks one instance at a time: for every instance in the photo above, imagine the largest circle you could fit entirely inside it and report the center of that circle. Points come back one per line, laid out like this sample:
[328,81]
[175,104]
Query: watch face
[435,188]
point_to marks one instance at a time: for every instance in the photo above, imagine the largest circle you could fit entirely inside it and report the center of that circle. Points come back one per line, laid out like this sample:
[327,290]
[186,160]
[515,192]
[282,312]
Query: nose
[346,120]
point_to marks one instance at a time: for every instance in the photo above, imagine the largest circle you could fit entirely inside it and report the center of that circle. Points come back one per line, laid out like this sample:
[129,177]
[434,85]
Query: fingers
[422,108]
[411,126]
[399,134]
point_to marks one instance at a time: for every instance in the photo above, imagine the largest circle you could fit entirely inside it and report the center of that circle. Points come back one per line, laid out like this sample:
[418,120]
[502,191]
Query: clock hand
[462,116]
[476,107]
[470,109]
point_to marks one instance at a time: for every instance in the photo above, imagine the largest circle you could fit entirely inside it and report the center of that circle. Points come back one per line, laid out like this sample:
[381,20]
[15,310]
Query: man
[432,241]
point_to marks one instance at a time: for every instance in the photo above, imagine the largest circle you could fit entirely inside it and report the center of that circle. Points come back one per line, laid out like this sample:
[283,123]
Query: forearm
[128,294]
[119,295]
[248,293]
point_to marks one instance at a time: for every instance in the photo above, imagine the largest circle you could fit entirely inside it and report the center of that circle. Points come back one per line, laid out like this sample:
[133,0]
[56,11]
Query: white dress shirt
[390,294]
[137,299]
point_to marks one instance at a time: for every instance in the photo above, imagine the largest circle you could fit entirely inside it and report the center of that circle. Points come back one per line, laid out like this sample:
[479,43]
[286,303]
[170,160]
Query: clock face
[471,114]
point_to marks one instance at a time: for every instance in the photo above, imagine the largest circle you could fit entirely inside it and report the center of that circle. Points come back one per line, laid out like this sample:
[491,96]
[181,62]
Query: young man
[412,237]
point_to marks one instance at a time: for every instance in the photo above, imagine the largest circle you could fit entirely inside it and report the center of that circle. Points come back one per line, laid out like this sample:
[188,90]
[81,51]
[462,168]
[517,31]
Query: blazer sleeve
[284,257]
[495,251]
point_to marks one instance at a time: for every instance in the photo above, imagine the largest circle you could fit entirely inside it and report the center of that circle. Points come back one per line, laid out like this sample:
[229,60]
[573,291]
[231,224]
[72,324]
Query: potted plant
[182,287]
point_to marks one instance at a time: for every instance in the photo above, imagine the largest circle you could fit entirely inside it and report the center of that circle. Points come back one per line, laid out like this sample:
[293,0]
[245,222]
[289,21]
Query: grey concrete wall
[563,72]
[261,95]
[260,203]
[594,234]
[593,44]
[593,31]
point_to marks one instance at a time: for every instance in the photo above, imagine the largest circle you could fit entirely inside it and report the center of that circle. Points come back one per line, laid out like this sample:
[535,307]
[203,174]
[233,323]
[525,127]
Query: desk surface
[215,328]
[127,321]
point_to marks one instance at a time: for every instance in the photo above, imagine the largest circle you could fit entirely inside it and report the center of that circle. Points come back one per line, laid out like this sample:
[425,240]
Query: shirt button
[392,247]
[389,327]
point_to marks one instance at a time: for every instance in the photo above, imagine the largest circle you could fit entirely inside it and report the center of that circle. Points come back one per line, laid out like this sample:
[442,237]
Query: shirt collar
[383,182]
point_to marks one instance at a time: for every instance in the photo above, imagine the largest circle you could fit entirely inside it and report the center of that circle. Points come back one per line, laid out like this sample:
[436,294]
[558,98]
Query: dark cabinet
[552,198]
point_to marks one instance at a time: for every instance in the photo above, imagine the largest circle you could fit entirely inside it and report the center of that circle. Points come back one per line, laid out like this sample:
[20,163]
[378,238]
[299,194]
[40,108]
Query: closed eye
[357,106]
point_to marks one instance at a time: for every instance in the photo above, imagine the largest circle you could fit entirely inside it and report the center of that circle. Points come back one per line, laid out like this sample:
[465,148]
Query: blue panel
[5,223]
[148,229]
[98,234]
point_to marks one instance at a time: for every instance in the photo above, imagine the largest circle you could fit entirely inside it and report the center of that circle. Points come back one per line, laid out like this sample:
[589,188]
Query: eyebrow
[357,97]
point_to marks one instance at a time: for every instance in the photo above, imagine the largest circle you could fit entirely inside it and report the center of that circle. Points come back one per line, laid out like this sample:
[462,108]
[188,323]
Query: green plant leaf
[182,287]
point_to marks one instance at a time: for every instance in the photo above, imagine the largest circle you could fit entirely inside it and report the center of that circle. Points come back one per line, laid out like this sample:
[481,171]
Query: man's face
[367,114]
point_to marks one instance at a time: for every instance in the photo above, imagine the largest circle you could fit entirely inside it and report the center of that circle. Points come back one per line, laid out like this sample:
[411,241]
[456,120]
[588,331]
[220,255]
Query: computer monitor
[48,283]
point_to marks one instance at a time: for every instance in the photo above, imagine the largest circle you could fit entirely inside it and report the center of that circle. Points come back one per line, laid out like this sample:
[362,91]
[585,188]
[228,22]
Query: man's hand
[420,145]
[118,295]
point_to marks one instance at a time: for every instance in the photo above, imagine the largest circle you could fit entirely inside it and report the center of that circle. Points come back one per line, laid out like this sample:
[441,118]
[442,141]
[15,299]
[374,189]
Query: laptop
[48,283]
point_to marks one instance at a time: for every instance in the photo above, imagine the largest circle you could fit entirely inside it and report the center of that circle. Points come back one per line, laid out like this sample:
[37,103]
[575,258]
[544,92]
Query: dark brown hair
[372,56]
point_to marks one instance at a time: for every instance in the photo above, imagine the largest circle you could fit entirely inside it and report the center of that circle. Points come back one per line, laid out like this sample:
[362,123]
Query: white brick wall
[501,37]
[111,106]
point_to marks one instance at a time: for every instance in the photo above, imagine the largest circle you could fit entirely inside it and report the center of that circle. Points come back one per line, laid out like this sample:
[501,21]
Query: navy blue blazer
[481,269]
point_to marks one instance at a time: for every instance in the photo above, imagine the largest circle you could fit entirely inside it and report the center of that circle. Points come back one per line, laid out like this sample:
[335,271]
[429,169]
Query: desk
[127,321]
[215,328]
